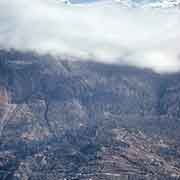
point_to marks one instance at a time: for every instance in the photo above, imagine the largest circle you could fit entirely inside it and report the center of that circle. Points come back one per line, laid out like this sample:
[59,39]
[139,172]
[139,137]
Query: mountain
[78,120]
[151,4]
[66,1]
[134,3]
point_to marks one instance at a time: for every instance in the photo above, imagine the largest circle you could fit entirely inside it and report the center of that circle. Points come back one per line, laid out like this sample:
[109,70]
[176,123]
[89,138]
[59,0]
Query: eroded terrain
[86,121]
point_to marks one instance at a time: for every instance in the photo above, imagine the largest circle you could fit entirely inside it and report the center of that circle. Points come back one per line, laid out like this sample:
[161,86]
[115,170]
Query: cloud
[101,31]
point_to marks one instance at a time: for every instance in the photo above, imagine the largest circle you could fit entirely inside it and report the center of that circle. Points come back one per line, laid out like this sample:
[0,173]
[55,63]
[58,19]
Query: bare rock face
[86,121]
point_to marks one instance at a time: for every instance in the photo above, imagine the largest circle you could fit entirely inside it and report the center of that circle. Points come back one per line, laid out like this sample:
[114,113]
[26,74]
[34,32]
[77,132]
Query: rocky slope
[86,121]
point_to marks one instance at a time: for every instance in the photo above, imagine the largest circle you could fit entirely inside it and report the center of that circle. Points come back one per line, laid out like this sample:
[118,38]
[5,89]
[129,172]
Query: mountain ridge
[134,3]
[87,120]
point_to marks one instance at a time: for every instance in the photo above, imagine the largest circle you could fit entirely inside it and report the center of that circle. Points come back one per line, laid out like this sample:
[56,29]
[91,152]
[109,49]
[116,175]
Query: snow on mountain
[133,3]
[152,4]
[163,4]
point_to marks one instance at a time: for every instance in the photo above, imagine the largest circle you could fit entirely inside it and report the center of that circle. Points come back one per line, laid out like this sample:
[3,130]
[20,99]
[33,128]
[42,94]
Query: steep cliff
[85,120]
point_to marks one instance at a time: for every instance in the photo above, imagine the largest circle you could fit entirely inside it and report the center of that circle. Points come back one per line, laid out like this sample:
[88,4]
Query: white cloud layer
[102,31]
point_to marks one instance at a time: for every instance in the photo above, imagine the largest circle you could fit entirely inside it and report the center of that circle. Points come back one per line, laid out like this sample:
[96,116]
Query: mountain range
[75,120]
[133,3]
